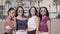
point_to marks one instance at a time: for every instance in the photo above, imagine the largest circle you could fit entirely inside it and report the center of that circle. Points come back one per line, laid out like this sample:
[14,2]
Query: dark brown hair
[17,10]
[47,13]
[30,11]
[10,10]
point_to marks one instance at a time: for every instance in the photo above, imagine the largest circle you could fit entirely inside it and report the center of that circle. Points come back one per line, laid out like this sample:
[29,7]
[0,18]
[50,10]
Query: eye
[20,11]
[43,11]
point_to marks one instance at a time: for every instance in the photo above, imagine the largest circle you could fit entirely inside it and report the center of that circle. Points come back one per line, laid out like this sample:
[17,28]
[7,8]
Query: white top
[8,27]
[31,22]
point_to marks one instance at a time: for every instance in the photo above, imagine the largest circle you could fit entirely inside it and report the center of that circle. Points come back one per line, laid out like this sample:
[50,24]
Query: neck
[33,15]
[43,16]
[19,16]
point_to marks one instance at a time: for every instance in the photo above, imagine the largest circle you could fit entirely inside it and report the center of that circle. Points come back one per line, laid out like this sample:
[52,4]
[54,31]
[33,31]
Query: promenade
[55,26]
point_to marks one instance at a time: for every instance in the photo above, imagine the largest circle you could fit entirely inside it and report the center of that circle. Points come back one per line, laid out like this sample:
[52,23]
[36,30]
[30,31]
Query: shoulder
[48,18]
[7,20]
[24,18]
[37,18]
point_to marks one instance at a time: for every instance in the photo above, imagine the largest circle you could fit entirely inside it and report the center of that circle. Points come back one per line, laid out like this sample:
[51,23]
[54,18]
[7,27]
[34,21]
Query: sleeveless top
[43,25]
[31,22]
[21,24]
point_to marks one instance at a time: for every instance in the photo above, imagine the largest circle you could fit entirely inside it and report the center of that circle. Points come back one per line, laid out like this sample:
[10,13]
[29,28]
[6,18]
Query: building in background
[52,5]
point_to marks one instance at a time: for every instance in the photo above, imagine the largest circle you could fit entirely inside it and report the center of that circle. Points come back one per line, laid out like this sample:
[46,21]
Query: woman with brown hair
[10,22]
[33,21]
[21,21]
[45,23]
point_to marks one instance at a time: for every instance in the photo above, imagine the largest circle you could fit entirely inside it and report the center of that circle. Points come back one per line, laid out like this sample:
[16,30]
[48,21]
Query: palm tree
[8,3]
[18,2]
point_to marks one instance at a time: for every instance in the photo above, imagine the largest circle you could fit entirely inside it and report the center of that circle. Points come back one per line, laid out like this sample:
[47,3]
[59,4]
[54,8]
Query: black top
[21,24]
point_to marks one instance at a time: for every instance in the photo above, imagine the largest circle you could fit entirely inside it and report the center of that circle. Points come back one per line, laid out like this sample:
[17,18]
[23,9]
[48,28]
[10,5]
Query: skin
[43,13]
[37,24]
[36,20]
[20,12]
[9,22]
[32,11]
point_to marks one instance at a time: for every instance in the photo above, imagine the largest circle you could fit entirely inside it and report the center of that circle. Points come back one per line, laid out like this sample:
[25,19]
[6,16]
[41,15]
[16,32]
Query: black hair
[10,10]
[17,10]
[30,11]
[47,13]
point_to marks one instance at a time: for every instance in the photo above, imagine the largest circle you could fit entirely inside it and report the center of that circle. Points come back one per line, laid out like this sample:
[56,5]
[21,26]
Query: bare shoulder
[25,18]
[48,21]
[7,20]
[37,18]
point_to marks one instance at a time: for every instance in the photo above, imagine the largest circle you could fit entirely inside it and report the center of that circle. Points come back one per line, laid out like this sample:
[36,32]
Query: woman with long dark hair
[33,21]
[45,23]
[10,22]
[21,22]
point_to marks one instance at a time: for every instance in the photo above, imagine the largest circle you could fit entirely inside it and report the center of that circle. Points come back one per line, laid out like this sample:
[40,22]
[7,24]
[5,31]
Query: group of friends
[38,21]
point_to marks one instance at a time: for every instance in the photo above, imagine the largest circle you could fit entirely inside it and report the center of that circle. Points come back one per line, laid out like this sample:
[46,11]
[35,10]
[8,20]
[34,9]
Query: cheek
[32,12]
[45,13]
[13,14]
[41,12]
[20,13]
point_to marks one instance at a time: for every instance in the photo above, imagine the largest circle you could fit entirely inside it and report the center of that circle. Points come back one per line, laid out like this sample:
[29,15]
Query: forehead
[12,11]
[20,9]
[33,8]
[43,9]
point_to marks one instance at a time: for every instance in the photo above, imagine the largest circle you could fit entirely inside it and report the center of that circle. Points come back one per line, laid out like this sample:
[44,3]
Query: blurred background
[52,5]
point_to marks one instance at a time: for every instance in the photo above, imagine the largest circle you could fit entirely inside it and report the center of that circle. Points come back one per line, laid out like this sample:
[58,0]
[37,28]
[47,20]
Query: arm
[13,32]
[14,22]
[14,29]
[9,23]
[37,24]
[49,26]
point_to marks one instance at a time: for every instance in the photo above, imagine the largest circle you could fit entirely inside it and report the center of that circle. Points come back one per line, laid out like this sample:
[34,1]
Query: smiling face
[20,11]
[32,11]
[12,13]
[43,11]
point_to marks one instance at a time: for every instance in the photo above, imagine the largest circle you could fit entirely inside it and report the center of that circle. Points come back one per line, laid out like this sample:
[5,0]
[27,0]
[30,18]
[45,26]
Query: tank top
[43,25]
[31,22]
[21,24]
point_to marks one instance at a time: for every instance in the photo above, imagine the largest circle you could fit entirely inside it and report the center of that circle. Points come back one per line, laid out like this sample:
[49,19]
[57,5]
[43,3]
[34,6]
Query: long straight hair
[17,11]
[30,11]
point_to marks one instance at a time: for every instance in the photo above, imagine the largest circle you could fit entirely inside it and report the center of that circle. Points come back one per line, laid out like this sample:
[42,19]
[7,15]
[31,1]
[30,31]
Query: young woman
[33,21]
[44,25]
[21,22]
[10,21]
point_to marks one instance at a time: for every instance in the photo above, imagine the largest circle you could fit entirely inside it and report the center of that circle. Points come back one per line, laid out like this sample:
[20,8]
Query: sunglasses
[42,10]
[20,10]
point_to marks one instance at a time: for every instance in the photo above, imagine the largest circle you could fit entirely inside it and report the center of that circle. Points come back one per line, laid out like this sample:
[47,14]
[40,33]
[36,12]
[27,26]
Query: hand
[14,18]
